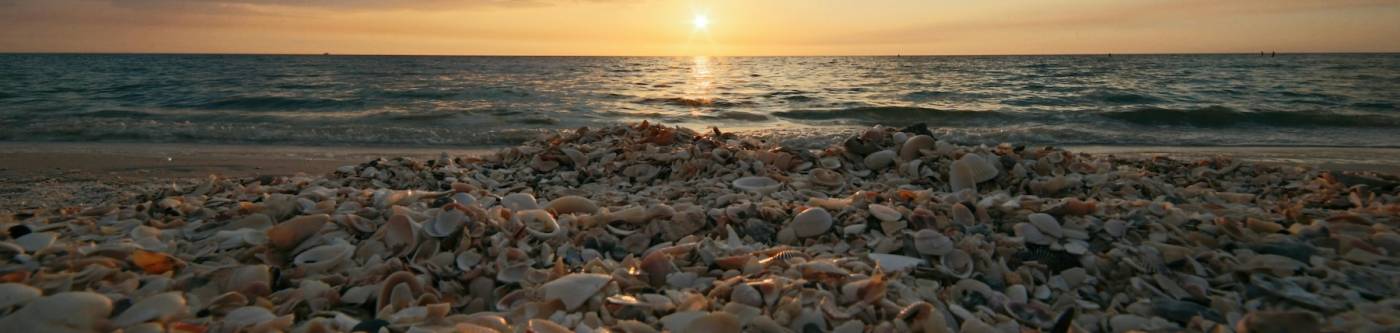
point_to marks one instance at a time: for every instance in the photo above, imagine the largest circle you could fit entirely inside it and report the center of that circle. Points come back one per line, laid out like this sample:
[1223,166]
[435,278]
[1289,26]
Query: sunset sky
[666,27]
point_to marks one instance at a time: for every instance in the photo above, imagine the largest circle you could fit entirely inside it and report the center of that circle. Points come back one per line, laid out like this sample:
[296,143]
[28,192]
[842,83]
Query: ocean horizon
[1242,99]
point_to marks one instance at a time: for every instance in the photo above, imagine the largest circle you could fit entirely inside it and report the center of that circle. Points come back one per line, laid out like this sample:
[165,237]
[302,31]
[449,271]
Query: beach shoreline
[69,174]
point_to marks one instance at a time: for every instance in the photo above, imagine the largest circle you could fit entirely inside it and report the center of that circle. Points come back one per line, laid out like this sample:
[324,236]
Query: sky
[666,27]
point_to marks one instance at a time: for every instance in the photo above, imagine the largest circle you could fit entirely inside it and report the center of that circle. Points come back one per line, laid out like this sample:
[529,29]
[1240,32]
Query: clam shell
[884,213]
[826,177]
[757,184]
[446,223]
[811,222]
[324,257]
[540,223]
[894,262]
[912,147]
[958,263]
[399,235]
[160,307]
[930,242]
[880,159]
[287,235]
[575,289]
[1047,224]
[15,294]
[35,241]
[1030,234]
[963,216]
[519,201]
[254,319]
[80,311]
[572,204]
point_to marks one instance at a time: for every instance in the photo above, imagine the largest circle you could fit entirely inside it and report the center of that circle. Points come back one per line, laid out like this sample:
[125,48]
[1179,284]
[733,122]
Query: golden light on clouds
[690,27]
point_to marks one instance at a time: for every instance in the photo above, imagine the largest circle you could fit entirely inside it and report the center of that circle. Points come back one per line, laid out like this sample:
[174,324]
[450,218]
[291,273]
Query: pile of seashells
[646,228]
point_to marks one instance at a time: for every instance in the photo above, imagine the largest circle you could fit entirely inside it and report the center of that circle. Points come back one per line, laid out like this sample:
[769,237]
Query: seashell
[880,159]
[399,235]
[963,216]
[160,307]
[746,294]
[519,201]
[152,262]
[811,222]
[894,262]
[447,222]
[81,311]
[1115,228]
[826,177]
[757,184]
[712,322]
[1047,224]
[930,242]
[957,263]
[910,149]
[829,163]
[324,257]
[400,289]
[545,326]
[1030,234]
[287,235]
[467,260]
[254,319]
[16,294]
[575,289]
[884,213]
[35,241]
[1279,322]
[539,223]
[969,170]
[572,204]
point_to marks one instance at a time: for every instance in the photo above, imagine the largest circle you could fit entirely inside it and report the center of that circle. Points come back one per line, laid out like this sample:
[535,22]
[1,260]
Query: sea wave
[893,114]
[1221,116]
[274,103]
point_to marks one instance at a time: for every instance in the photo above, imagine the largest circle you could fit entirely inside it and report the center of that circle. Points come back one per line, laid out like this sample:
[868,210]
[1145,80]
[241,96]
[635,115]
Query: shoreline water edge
[644,227]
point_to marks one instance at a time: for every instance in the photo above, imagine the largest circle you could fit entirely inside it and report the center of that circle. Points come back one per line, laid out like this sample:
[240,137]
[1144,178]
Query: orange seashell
[183,327]
[152,262]
[287,235]
[16,277]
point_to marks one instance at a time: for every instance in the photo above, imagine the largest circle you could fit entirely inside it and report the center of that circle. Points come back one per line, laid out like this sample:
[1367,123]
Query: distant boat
[326,54]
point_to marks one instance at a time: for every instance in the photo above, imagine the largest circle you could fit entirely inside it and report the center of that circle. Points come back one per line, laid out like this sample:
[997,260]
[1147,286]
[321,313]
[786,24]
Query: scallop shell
[880,159]
[160,307]
[811,222]
[757,184]
[572,204]
[912,147]
[324,257]
[575,289]
[884,213]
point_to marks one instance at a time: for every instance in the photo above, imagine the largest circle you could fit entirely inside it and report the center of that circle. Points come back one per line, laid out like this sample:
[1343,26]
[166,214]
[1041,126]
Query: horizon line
[678,55]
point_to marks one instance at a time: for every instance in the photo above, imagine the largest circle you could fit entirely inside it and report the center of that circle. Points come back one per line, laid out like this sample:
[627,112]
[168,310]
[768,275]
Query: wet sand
[34,175]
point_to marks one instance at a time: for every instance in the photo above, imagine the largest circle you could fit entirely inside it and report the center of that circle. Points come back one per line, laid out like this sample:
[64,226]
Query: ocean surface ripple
[1289,100]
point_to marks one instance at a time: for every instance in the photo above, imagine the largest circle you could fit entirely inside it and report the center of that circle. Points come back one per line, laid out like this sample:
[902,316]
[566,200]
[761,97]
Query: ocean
[1317,100]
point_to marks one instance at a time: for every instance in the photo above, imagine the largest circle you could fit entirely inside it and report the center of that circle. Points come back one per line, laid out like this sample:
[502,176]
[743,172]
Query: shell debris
[648,228]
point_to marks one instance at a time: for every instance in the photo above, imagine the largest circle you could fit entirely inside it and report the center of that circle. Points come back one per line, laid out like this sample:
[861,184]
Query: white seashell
[930,242]
[1047,224]
[467,260]
[1017,293]
[757,184]
[894,262]
[254,319]
[16,294]
[1030,234]
[1115,228]
[880,159]
[81,311]
[36,241]
[540,223]
[159,307]
[884,213]
[574,289]
[811,222]
[572,204]
[961,176]
[519,201]
[910,149]
[854,229]
[324,257]
[829,162]
[446,223]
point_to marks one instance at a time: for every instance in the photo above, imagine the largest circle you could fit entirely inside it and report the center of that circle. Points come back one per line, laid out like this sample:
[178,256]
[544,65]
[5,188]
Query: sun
[700,22]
